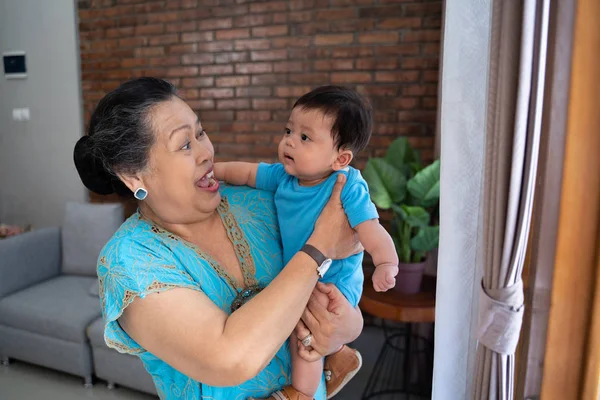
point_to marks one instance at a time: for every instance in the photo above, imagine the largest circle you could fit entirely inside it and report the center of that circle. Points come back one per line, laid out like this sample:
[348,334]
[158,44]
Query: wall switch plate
[21,114]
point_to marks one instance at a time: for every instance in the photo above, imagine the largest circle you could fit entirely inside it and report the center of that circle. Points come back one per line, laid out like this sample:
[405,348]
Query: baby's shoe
[339,368]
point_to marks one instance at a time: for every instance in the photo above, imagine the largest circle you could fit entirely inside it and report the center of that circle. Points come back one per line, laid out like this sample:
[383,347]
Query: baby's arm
[379,244]
[236,173]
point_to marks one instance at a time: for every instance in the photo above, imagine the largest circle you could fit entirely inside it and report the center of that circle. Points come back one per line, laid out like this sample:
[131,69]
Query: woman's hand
[333,235]
[330,319]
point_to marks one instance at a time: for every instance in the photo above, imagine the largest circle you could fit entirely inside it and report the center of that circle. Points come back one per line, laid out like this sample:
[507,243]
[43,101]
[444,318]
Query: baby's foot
[340,368]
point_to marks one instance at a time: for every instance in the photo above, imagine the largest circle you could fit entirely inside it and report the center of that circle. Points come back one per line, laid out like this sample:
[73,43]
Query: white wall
[37,175]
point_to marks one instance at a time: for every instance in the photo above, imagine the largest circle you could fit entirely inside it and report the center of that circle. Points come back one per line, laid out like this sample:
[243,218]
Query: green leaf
[413,216]
[402,156]
[379,194]
[425,185]
[426,239]
[392,179]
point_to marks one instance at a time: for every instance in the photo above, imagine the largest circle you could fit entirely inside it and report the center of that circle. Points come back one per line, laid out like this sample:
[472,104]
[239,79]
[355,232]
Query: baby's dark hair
[352,114]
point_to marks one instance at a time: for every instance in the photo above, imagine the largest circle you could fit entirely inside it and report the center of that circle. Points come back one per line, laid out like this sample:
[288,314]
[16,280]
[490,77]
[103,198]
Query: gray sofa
[49,307]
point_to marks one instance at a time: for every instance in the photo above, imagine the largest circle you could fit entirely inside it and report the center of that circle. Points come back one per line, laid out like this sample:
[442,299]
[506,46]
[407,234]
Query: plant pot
[409,277]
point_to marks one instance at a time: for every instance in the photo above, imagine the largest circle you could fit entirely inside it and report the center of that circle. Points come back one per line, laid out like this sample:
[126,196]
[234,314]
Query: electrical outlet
[21,114]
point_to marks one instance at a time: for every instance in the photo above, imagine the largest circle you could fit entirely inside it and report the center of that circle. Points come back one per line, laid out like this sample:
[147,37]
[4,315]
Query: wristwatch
[323,263]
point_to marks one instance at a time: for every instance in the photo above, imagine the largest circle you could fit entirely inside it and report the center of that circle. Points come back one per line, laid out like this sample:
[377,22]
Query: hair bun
[91,169]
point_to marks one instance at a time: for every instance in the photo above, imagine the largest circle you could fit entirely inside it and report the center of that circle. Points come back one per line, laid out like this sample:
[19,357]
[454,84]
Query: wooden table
[403,348]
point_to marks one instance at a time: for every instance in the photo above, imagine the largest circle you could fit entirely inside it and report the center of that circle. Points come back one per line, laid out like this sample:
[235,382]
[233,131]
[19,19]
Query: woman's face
[179,175]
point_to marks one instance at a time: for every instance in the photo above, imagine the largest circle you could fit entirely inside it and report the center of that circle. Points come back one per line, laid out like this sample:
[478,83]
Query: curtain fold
[514,109]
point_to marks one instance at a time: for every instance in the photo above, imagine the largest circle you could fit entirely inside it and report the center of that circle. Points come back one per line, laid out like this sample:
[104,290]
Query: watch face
[324,267]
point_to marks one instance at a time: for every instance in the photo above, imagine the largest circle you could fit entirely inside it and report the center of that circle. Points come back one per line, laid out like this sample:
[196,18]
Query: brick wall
[242,64]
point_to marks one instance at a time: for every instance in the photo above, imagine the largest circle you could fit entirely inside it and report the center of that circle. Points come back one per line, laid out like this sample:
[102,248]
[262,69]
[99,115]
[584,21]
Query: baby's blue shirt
[298,208]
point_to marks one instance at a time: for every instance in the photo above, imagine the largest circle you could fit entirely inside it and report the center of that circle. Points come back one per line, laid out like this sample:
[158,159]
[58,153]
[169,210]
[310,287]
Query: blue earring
[140,193]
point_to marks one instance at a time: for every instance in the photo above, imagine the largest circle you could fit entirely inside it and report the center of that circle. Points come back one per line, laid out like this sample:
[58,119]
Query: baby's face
[307,150]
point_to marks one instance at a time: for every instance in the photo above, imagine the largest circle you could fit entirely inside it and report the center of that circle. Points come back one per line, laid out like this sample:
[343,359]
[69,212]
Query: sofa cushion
[95,332]
[61,308]
[86,229]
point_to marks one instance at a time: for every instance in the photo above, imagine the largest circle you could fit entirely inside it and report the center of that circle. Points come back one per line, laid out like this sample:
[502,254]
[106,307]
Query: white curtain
[490,124]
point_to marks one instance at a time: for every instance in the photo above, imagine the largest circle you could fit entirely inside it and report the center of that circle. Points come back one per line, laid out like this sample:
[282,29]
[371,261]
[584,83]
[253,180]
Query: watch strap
[314,253]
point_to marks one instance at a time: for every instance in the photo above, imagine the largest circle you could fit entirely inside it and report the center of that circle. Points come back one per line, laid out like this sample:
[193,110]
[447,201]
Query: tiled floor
[20,381]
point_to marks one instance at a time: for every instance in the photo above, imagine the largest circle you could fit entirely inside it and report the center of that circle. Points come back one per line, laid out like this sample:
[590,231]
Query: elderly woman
[193,282]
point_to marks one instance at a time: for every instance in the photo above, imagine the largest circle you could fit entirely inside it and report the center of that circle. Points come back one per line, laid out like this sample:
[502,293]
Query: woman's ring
[307,340]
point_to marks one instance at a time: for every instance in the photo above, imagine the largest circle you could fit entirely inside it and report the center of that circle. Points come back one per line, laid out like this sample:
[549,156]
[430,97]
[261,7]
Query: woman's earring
[140,193]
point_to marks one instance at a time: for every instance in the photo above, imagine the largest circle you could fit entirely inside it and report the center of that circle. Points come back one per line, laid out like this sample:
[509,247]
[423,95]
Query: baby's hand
[384,277]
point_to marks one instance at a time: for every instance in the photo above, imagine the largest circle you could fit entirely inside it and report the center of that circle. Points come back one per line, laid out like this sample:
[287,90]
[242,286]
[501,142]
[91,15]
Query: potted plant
[399,182]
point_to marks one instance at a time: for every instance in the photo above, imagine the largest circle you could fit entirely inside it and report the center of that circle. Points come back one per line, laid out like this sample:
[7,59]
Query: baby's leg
[306,375]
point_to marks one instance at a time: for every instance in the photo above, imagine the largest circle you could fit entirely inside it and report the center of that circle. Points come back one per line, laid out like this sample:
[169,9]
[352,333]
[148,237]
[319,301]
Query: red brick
[182,48]
[223,137]
[268,79]
[133,62]
[182,71]
[119,10]
[356,25]
[381,11]
[217,93]
[252,20]
[188,26]
[253,44]
[288,42]
[253,138]
[311,28]
[422,36]
[303,4]
[133,42]
[233,104]
[215,47]
[315,78]
[401,76]
[280,18]
[254,68]
[422,9]
[198,82]
[216,69]
[149,7]
[432,22]
[189,4]
[197,37]
[292,91]
[399,23]
[335,14]
[268,55]
[269,104]
[430,76]
[201,104]
[309,53]
[253,115]
[268,31]
[391,90]
[218,116]
[378,37]
[233,81]
[225,58]
[376,63]
[256,91]
[431,48]
[301,16]
[334,65]
[165,61]
[215,23]
[149,29]
[398,50]
[419,63]
[340,3]
[229,11]
[164,39]
[271,6]
[199,58]
[429,103]
[404,103]
[352,52]
[119,32]
[149,51]
[291,66]
[233,34]
[350,77]
[164,17]
[269,127]
[417,116]
[105,44]
[419,90]
[333,40]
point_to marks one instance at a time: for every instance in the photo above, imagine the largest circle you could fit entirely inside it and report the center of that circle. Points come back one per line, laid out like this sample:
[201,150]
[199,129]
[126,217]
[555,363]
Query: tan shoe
[340,368]
[287,393]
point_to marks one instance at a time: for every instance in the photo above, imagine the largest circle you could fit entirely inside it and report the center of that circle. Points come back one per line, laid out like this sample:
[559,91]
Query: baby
[326,129]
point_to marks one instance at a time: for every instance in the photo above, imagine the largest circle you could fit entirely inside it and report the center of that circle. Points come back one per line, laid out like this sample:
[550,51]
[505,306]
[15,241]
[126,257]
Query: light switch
[16,114]
[24,114]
